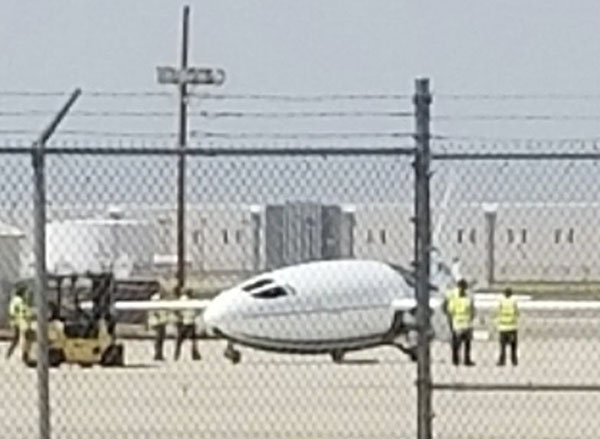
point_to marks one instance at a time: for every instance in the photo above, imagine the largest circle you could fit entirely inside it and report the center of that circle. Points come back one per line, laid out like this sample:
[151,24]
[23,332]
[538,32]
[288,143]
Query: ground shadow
[359,361]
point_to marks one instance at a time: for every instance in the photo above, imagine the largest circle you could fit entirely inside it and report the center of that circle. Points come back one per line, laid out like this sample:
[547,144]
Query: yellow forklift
[76,335]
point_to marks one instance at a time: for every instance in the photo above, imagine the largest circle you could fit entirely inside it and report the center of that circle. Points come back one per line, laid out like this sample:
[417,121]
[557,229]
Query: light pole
[490,211]
[182,77]
[115,213]
[311,225]
[349,222]
[255,213]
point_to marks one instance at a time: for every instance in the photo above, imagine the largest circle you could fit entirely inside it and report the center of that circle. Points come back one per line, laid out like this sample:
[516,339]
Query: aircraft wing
[153,305]
[546,305]
[525,304]
[408,303]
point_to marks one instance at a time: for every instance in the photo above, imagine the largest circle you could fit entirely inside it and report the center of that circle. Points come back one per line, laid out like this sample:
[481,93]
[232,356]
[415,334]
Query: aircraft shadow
[359,362]
[141,366]
[348,362]
[135,366]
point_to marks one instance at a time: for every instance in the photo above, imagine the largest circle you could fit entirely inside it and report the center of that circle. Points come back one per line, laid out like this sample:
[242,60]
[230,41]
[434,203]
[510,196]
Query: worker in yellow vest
[186,329]
[157,322]
[462,312]
[507,319]
[19,317]
[451,293]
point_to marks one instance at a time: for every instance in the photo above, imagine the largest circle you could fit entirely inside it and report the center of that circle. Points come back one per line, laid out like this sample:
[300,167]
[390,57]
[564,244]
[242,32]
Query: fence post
[422,101]
[40,276]
[41,304]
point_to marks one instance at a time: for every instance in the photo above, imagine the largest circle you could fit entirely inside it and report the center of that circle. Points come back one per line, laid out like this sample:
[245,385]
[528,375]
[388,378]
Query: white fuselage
[312,307]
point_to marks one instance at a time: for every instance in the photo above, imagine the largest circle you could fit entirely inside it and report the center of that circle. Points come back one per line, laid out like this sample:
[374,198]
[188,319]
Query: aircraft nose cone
[213,317]
[217,314]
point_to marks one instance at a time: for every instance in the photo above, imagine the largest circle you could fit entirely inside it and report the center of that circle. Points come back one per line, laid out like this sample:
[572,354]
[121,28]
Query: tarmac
[371,395]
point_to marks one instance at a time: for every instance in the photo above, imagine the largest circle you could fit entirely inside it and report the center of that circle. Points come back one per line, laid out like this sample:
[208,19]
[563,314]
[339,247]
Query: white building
[530,241]
[10,264]
[79,245]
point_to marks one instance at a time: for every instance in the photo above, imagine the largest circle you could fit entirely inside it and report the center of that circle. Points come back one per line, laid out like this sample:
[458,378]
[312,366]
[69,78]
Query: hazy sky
[306,46]
[313,46]
[319,46]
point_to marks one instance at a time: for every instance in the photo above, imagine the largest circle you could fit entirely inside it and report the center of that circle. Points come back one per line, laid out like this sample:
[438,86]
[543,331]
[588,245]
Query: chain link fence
[244,215]
[519,214]
[522,217]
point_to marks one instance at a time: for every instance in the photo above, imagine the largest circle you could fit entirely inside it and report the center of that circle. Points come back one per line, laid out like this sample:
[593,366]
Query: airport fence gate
[104,205]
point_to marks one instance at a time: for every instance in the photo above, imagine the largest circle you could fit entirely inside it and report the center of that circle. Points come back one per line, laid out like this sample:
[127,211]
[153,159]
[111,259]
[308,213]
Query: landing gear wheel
[232,354]
[337,355]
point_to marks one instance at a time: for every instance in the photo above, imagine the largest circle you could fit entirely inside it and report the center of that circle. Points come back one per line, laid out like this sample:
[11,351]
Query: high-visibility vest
[451,294]
[508,314]
[159,316]
[187,316]
[19,312]
[460,310]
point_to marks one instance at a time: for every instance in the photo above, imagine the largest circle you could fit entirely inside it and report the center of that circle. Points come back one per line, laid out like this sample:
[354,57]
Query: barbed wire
[297,135]
[92,133]
[516,140]
[212,114]
[283,97]
[109,142]
[301,114]
[90,113]
[92,94]
[517,96]
[215,135]
[28,94]
[305,97]
[300,97]
[517,117]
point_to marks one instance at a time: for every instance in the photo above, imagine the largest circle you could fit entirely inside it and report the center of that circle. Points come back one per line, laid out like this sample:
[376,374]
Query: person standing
[19,315]
[507,319]
[186,329]
[157,321]
[462,312]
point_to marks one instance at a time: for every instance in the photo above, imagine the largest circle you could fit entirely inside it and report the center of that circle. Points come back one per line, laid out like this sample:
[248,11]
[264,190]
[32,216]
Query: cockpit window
[258,284]
[270,293]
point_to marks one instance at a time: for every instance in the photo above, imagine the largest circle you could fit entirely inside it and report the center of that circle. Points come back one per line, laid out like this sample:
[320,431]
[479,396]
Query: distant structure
[300,232]
[121,245]
[11,239]
[512,242]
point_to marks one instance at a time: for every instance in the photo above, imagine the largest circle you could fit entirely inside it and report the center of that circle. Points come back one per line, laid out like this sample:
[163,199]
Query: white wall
[10,264]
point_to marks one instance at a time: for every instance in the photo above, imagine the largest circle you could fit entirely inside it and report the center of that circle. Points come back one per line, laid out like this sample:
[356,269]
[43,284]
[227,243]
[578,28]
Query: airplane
[321,307]
[330,307]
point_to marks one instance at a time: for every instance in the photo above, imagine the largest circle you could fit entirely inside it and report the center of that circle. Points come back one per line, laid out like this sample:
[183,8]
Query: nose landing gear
[337,355]
[232,354]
